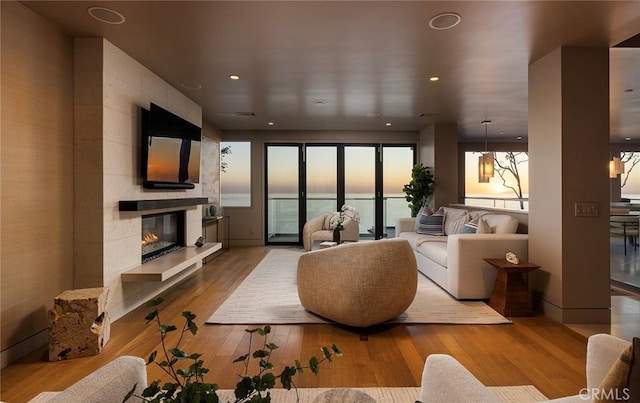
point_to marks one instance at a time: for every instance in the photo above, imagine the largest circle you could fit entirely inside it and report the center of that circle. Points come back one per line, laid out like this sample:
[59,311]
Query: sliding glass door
[397,162]
[283,207]
[321,179]
[306,181]
[360,186]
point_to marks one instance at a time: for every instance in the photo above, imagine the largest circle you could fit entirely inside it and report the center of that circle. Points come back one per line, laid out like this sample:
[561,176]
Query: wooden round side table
[510,295]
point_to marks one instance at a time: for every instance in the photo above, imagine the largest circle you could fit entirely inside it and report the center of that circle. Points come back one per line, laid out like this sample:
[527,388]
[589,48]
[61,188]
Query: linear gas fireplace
[161,234]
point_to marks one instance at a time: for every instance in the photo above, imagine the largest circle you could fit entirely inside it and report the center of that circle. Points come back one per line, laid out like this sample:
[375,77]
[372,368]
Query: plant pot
[336,235]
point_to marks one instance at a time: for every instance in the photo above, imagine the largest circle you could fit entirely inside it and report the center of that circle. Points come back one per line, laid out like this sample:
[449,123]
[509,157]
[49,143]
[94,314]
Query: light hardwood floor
[532,350]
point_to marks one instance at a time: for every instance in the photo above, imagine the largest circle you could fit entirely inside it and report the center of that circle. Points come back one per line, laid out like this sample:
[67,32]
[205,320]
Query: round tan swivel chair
[359,284]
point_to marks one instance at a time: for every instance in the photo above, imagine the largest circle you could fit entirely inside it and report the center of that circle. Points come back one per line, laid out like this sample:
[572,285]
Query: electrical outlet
[586,209]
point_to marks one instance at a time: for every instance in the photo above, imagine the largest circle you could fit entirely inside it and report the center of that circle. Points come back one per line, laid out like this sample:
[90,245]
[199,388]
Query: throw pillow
[476,226]
[615,385]
[633,382]
[326,224]
[431,224]
[423,210]
[483,227]
[469,228]
[454,226]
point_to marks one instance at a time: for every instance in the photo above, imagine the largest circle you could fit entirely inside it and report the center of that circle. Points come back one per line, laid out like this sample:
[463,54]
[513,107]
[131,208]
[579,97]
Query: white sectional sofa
[455,261]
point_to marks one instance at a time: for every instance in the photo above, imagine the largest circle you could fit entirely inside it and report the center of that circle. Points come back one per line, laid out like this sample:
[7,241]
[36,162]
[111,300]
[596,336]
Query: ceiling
[358,65]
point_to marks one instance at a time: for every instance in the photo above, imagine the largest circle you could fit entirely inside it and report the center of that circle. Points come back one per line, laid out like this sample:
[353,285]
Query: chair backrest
[625,219]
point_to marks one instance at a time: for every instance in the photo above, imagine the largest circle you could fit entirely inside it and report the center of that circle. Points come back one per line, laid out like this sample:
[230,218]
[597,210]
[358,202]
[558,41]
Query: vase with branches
[187,371]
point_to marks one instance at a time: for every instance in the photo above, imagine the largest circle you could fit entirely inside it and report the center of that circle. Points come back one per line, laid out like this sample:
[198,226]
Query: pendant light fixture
[485,161]
[616,167]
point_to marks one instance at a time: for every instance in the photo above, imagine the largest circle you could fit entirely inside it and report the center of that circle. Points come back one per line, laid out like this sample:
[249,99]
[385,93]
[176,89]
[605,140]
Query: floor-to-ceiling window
[396,172]
[360,185]
[283,207]
[235,173]
[509,186]
[368,177]
[321,179]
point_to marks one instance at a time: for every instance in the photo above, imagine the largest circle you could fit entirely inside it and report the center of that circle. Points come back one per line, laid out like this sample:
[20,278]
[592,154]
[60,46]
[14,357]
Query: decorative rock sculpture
[79,324]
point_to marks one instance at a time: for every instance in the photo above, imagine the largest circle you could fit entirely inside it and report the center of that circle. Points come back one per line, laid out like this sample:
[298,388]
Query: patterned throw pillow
[423,210]
[430,224]
[476,226]
[455,225]
[619,382]
[469,228]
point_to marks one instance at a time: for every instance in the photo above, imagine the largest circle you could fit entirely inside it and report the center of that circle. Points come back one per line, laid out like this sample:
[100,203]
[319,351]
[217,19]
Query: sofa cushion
[412,237]
[431,224]
[501,223]
[436,251]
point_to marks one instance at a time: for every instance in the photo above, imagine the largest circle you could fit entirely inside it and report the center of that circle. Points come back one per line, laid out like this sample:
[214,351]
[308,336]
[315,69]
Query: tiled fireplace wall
[110,87]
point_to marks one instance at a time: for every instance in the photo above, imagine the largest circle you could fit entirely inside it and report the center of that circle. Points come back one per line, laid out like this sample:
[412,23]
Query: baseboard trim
[574,315]
[23,348]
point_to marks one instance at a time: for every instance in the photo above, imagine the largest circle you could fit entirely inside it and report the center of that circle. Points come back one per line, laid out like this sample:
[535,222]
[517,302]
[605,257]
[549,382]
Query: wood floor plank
[533,350]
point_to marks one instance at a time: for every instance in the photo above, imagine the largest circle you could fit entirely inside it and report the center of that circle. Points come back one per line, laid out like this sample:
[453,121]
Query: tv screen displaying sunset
[163,163]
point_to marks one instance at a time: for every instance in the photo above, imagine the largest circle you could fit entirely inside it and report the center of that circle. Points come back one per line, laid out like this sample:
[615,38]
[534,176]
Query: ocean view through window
[235,174]
[509,187]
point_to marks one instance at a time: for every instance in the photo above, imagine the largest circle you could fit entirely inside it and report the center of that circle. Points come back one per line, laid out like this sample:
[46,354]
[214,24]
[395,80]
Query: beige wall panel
[37,173]
[545,180]
[568,127]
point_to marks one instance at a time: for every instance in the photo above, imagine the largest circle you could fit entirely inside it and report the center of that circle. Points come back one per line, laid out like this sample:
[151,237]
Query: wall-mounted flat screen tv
[170,150]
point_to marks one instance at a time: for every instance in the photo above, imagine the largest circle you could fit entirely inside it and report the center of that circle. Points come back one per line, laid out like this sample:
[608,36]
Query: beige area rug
[516,394]
[269,295]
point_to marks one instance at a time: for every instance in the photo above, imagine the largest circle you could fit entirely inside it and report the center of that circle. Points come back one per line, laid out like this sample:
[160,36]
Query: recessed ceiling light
[191,86]
[388,124]
[444,21]
[501,133]
[106,15]
[627,139]
[234,77]
[629,90]
[320,103]
[519,138]
[434,78]
[271,123]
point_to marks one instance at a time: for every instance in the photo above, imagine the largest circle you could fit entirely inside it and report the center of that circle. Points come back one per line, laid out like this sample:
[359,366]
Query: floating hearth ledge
[142,205]
[167,266]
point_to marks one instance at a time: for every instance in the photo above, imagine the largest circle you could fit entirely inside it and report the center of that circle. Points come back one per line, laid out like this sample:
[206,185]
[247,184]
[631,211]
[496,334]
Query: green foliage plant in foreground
[187,371]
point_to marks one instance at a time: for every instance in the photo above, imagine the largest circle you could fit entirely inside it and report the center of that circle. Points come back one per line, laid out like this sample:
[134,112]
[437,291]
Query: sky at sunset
[164,160]
[359,170]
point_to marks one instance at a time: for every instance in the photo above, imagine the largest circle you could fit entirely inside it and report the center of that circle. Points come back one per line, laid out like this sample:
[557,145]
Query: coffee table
[510,295]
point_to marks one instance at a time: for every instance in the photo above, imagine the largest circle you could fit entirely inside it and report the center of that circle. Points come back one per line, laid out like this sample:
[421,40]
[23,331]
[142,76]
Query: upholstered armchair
[369,282]
[444,379]
[319,229]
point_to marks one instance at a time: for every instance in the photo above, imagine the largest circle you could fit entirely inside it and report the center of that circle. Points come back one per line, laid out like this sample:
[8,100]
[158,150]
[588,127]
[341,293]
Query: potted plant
[420,190]
[187,371]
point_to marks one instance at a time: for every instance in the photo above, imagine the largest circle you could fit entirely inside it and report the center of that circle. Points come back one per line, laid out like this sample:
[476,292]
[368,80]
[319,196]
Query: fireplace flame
[149,239]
